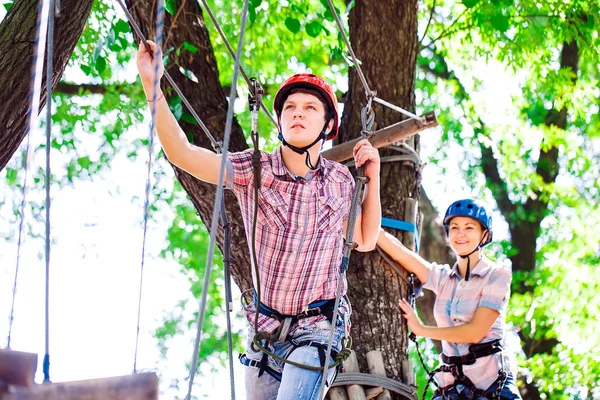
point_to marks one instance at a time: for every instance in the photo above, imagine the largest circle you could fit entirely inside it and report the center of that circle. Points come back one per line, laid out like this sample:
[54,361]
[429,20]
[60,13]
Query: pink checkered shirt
[456,303]
[299,234]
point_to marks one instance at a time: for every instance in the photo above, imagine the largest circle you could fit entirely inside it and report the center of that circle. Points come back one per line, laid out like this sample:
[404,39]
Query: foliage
[463,43]
[524,40]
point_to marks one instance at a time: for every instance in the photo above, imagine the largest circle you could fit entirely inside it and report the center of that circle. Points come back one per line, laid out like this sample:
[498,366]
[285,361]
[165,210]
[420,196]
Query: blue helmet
[472,209]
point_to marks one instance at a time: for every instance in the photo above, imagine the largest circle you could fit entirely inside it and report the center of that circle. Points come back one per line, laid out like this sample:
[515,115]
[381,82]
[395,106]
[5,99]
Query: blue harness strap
[401,226]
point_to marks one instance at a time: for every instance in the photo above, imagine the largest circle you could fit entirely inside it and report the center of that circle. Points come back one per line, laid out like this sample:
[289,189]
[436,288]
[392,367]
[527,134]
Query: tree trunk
[384,38]
[17,35]
[390,28]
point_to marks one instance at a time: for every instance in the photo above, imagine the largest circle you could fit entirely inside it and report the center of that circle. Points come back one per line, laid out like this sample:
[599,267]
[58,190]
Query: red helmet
[314,82]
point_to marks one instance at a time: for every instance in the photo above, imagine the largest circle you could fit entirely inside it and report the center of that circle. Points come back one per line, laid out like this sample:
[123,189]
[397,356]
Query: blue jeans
[296,383]
[460,391]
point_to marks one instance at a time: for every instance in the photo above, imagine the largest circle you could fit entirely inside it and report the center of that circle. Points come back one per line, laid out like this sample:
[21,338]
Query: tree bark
[17,36]
[384,38]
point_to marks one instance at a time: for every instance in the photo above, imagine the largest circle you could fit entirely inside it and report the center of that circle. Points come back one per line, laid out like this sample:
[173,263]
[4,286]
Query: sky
[95,267]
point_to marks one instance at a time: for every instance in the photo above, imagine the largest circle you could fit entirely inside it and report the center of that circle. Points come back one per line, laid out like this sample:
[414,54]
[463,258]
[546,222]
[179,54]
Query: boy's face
[302,119]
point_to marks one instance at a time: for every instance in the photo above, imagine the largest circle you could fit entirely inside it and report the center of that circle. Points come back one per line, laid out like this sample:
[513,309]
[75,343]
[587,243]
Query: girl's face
[465,234]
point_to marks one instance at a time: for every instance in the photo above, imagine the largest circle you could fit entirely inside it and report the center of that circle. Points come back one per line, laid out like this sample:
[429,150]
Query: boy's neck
[296,163]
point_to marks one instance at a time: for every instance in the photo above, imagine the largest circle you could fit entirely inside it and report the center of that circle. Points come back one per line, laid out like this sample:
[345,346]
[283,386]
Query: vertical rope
[39,47]
[49,70]
[227,260]
[219,194]
[160,16]
[367,120]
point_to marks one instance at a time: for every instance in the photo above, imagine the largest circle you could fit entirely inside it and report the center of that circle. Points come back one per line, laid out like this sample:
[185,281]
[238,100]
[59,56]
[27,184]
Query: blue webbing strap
[402,226]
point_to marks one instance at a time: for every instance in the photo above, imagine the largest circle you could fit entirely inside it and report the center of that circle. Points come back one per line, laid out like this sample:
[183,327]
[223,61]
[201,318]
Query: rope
[36,83]
[49,70]
[216,146]
[399,109]
[369,93]
[160,16]
[368,90]
[367,119]
[227,260]
[219,195]
[392,264]
[357,378]
[231,53]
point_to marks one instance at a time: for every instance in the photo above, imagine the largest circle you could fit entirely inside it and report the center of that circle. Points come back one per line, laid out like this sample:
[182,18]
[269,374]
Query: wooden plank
[373,392]
[17,367]
[383,137]
[376,367]
[355,392]
[411,208]
[337,393]
[130,387]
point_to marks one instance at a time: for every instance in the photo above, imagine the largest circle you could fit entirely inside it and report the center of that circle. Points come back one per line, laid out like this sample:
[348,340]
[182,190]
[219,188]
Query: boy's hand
[365,154]
[145,63]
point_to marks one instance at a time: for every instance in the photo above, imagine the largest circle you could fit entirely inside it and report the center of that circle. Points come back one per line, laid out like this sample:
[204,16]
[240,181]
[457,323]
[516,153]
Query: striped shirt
[456,303]
[299,234]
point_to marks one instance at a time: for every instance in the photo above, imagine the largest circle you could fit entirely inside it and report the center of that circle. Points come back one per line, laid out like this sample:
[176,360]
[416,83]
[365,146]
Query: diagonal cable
[184,99]
[49,70]
[215,214]
[369,93]
[39,48]
[232,54]
[160,18]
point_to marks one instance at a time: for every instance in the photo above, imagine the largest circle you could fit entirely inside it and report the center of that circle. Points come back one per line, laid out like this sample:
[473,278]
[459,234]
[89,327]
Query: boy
[303,206]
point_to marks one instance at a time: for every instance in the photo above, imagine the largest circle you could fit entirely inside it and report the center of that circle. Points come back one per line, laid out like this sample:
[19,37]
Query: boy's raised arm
[199,162]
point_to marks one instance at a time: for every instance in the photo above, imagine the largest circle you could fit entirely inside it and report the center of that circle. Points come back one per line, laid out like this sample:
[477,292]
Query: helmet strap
[467,256]
[304,149]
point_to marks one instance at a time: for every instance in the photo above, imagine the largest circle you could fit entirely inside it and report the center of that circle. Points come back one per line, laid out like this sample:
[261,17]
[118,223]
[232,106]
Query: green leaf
[256,3]
[121,26]
[98,48]
[590,21]
[252,15]
[171,6]
[86,69]
[7,5]
[500,22]
[190,47]
[177,110]
[84,162]
[328,15]
[100,64]
[292,24]
[470,3]
[313,28]
[189,118]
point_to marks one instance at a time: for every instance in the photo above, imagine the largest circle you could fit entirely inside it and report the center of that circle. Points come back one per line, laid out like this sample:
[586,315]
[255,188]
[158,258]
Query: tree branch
[488,163]
[547,167]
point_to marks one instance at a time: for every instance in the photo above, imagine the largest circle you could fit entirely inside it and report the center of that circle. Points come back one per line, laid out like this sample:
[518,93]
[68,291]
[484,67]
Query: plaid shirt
[456,303]
[299,234]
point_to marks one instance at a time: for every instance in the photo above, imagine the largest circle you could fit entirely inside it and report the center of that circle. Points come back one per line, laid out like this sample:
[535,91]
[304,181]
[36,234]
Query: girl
[470,308]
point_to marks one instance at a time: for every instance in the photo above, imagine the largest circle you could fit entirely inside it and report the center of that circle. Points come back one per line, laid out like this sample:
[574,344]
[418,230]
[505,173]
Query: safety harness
[321,307]
[454,364]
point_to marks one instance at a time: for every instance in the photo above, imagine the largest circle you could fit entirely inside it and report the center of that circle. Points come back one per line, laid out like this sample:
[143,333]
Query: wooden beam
[17,368]
[383,137]
[130,387]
